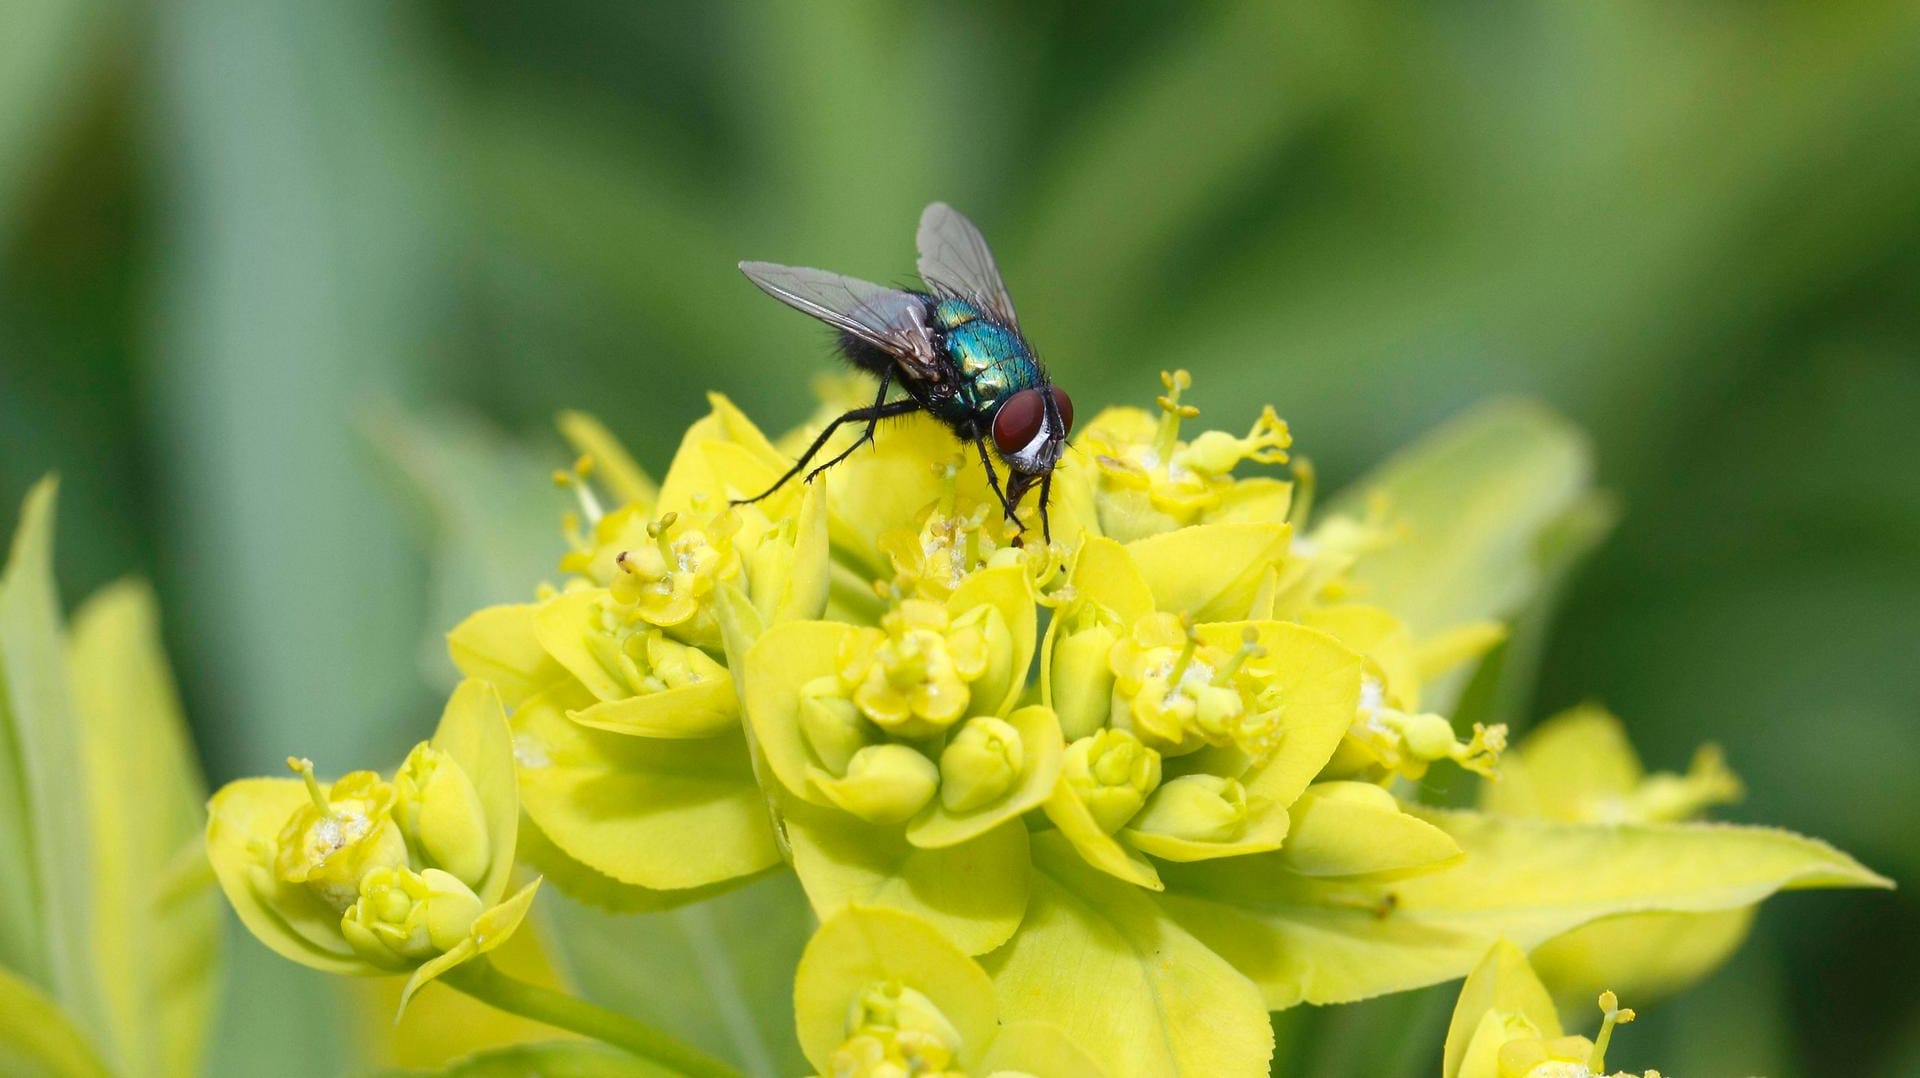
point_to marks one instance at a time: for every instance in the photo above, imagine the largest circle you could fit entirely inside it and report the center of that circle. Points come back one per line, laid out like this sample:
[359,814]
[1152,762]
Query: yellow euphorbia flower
[913,676]
[1147,480]
[1391,736]
[1505,1026]
[868,729]
[1195,740]
[881,993]
[327,876]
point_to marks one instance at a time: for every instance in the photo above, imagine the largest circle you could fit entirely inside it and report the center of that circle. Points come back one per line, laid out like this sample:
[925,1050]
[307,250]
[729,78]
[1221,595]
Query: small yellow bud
[980,764]
[832,725]
[1198,808]
[884,783]
[403,918]
[440,814]
[1113,773]
[1081,681]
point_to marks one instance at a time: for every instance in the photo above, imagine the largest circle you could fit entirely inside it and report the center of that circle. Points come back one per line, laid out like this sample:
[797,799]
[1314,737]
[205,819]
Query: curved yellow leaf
[37,1039]
[861,945]
[665,815]
[973,893]
[1326,941]
[1143,996]
[1210,571]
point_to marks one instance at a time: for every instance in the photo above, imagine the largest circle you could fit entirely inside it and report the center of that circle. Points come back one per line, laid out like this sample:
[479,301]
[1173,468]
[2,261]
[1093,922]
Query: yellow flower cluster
[1168,755]
[368,874]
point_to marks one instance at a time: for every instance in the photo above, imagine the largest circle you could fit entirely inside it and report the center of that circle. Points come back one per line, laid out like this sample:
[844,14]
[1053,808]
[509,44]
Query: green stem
[484,982]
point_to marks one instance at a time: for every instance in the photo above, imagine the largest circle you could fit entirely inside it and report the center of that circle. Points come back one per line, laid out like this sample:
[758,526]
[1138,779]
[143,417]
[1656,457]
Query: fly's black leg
[879,406]
[993,480]
[858,415]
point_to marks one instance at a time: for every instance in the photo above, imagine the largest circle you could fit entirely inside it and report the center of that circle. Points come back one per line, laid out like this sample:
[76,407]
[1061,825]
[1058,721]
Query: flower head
[369,875]
[343,832]
[1148,480]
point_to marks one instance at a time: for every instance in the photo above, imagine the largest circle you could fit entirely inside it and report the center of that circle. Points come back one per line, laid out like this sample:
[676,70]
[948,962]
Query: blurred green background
[231,235]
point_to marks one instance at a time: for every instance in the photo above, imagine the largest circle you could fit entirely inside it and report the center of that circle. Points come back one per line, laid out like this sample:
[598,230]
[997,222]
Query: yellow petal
[785,658]
[1106,573]
[1501,982]
[974,892]
[1039,1049]
[703,709]
[1097,847]
[473,731]
[1210,571]
[493,928]
[692,473]
[862,945]
[243,820]
[1319,682]
[1383,638]
[665,815]
[499,644]
[1356,829]
[1009,590]
[1266,828]
[1644,957]
[1566,768]
[1145,997]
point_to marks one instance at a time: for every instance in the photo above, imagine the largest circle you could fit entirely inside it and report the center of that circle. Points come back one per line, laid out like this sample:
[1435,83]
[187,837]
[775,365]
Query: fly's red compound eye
[1018,421]
[1064,405]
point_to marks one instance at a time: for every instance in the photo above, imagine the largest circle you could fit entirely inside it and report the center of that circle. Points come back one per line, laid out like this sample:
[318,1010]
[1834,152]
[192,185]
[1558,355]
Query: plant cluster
[1094,806]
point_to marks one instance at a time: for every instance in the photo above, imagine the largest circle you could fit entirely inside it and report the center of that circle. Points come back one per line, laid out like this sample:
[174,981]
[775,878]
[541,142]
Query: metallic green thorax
[994,360]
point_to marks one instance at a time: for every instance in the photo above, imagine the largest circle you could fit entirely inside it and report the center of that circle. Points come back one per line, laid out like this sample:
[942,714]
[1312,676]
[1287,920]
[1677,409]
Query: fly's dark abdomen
[868,357]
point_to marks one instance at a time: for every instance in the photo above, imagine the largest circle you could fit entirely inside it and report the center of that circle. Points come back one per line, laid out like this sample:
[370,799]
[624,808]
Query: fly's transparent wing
[955,261]
[886,318]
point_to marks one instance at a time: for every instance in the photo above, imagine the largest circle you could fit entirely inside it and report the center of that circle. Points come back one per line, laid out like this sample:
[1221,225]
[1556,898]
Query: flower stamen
[303,767]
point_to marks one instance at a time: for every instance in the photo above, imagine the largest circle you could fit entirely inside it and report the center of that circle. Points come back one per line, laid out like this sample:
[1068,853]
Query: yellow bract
[1579,767]
[329,877]
[882,993]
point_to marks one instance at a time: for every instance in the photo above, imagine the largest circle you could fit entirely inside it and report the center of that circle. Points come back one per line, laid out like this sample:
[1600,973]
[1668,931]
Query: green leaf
[1474,498]
[43,789]
[718,973]
[973,892]
[559,1059]
[1097,958]
[37,1040]
[485,506]
[157,919]
[1322,941]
